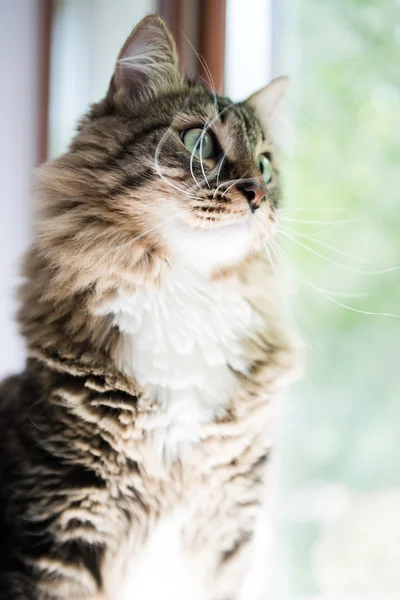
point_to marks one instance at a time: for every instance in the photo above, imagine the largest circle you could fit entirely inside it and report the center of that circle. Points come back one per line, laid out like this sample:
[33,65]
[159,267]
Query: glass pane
[248,47]
[340,505]
[86,39]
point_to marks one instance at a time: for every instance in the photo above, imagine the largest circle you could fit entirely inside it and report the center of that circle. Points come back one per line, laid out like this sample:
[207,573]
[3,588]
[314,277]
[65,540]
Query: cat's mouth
[209,215]
[219,238]
[206,221]
[237,208]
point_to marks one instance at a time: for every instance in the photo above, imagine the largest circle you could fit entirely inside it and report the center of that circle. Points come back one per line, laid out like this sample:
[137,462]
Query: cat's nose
[254,195]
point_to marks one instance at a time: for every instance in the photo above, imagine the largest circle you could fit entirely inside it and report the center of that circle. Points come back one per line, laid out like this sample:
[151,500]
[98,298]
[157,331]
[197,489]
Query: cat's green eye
[198,142]
[265,166]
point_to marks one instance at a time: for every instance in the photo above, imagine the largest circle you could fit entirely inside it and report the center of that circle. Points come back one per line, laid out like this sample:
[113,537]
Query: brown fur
[80,489]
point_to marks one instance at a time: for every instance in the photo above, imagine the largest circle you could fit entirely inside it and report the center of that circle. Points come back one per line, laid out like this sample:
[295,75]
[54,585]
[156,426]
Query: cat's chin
[208,249]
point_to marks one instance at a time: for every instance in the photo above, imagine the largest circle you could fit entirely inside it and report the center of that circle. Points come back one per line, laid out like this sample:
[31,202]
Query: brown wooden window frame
[203,23]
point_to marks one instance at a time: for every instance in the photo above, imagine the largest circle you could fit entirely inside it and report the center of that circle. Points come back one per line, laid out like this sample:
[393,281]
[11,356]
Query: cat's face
[165,166]
[212,180]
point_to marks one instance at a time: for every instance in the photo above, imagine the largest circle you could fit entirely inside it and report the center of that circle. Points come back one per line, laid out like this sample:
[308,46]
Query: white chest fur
[183,343]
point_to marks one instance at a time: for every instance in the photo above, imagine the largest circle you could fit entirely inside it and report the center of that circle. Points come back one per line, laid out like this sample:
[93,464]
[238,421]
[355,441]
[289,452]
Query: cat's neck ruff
[182,343]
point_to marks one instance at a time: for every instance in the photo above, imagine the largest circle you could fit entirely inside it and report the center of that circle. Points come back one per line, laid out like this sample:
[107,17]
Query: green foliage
[343,418]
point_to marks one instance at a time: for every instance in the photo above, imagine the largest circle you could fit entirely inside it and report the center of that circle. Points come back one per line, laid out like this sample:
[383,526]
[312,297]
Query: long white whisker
[316,222]
[191,165]
[225,183]
[204,65]
[268,251]
[213,90]
[138,237]
[301,334]
[221,112]
[158,150]
[329,292]
[335,262]
[201,160]
[159,173]
[310,325]
[241,180]
[219,169]
[323,244]
[312,209]
[329,297]
[230,186]
[233,181]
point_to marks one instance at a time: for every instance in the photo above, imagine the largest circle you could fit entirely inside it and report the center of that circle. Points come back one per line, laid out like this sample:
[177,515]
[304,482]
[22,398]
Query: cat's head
[162,170]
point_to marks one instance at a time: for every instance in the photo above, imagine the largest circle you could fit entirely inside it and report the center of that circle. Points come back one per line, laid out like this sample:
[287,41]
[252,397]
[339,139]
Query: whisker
[335,262]
[205,66]
[199,141]
[138,237]
[158,150]
[328,296]
[310,326]
[329,292]
[299,331]
[201,160]
[219,169]
[240,180]
[312,209]
[316,222]
[225,183]
[221,112]
[191,165]
[323,244]
[159,173]
[268,251]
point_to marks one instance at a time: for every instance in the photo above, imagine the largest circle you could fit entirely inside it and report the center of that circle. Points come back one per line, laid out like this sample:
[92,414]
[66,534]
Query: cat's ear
[267,101]
[147,63]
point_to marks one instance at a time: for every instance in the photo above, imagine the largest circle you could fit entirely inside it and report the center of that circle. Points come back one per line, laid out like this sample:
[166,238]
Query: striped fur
[83,495]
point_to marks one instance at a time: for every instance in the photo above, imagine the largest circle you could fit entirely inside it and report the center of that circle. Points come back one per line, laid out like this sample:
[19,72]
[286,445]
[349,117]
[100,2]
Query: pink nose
[254,195]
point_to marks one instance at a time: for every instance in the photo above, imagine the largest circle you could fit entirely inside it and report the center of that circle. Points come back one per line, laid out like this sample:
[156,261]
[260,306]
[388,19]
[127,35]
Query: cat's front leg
[242,573]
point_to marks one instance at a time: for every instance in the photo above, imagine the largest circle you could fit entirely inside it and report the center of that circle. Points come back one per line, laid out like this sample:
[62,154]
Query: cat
[134,446]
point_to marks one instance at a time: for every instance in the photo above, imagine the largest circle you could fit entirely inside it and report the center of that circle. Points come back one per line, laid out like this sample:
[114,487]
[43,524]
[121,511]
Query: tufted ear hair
[267,101]
[147,63]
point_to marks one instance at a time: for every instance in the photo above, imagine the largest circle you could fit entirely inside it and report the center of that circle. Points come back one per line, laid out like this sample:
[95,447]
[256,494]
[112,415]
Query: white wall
[18,141]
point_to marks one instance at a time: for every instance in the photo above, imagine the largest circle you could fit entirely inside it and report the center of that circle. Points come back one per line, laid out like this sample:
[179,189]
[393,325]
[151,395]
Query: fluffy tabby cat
[133,446]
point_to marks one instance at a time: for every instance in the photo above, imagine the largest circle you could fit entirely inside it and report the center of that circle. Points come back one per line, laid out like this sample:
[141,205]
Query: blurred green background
[340,506]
